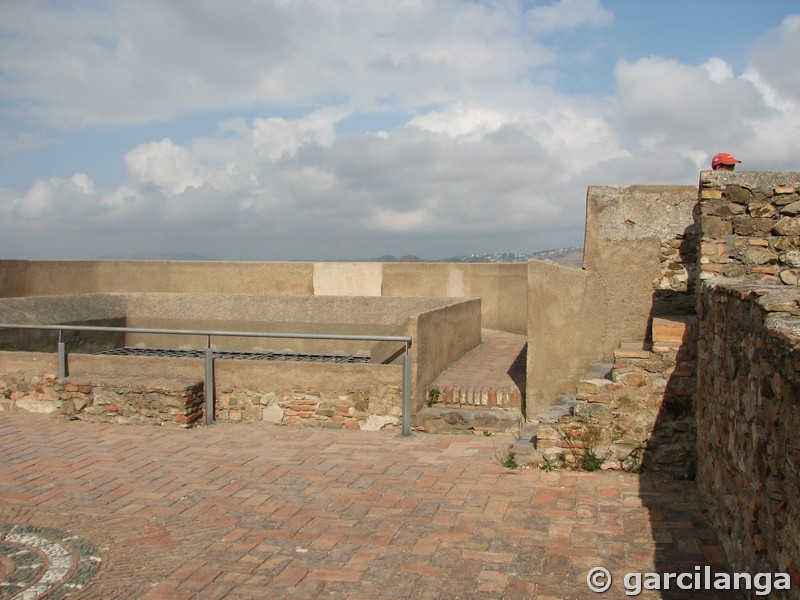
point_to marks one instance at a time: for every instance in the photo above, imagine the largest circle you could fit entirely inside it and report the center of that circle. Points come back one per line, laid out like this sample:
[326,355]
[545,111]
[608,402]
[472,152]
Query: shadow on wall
[685,539]
[518,374]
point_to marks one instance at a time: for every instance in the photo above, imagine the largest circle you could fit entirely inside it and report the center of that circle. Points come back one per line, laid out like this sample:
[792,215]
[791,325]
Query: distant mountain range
[571,256]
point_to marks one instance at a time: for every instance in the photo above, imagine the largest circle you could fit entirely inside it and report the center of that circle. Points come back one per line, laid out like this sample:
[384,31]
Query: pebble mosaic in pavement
[38,562]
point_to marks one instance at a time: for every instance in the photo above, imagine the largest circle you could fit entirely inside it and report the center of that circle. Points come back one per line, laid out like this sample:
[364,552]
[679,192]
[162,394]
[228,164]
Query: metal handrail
[208,384]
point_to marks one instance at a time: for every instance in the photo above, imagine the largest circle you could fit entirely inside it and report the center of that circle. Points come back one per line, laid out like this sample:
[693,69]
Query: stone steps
[621,396]
[477,420]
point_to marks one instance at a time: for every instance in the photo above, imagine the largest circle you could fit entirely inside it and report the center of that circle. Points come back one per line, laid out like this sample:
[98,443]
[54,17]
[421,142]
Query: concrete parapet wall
[748,416]
[501,287]
[641,242]
[441,337]
[567,330]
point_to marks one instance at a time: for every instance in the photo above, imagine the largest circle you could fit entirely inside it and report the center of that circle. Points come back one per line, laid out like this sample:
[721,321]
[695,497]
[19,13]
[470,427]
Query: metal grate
[237,355]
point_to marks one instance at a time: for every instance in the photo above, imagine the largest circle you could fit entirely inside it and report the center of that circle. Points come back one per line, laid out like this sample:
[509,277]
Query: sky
[352,129]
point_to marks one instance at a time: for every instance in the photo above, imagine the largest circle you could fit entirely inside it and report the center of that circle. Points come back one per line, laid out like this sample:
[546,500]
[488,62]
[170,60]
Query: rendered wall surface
[567,326]
[56,277]
[635,243]
[442,336]
[501,287]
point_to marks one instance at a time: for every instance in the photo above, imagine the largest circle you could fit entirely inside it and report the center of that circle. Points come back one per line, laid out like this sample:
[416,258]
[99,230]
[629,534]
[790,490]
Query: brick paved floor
[245,511]
[498,362]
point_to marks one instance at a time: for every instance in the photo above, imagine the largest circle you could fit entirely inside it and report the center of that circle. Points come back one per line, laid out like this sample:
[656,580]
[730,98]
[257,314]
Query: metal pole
[62,357]
[208,384]
[406,393]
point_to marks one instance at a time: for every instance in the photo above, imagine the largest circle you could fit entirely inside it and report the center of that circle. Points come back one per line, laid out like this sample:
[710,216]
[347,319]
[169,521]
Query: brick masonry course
[251,511]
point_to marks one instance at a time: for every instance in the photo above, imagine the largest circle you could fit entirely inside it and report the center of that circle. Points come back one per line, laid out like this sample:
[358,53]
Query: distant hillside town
[571,256]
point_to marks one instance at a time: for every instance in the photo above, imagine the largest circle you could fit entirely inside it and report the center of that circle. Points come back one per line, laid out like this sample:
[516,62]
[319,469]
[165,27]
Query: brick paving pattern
[497,362]
[253,511]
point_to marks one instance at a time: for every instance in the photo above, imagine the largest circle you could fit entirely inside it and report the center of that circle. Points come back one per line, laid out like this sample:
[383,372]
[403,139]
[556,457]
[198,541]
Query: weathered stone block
[790,276]
[787,226]
[716,227]
[737,194]
[749,226]
[792,209]
[272,414]
[762,210]
[756,255]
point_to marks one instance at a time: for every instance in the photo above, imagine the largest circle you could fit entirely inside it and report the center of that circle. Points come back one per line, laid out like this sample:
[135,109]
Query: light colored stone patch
[378,422]
[272,414]
[36,406]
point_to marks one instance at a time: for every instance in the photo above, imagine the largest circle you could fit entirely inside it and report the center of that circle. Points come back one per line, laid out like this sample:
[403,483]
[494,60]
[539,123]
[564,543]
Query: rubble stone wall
[748,416]
[123,402]
[750,226]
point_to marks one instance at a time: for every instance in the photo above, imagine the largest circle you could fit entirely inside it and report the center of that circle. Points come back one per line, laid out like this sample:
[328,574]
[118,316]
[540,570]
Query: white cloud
[171,168]
[718,70]
[566,14]
[275,137]
[775,58]
[480,150]
[48,201]
[667,106]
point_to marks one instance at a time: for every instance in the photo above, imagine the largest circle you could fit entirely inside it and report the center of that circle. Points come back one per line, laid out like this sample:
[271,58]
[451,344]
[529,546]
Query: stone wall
[641,417]
[748,418]
[370,408]
[119,401]
[120,389]
[751,226]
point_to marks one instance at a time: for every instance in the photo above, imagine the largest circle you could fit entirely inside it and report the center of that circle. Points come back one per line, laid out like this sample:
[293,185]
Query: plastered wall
[634,242]
[502,288]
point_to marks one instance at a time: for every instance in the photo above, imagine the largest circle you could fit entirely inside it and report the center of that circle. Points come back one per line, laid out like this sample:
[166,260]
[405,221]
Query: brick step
[473,397]
[673,329]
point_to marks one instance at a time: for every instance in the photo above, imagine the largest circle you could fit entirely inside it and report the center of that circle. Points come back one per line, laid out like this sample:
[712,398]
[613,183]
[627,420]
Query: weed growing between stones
[583,446]
[547,464]
[505,457]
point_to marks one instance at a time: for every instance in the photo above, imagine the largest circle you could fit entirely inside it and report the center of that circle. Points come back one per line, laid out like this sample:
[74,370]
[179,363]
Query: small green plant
[505,457]
[583,446]
[487,433]
[548,464]
[433,396]
[633,462]
[589,461]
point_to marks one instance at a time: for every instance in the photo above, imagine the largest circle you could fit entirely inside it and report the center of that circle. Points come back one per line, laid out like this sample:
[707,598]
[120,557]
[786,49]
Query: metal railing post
[208,384]
[406,393]
[62,357]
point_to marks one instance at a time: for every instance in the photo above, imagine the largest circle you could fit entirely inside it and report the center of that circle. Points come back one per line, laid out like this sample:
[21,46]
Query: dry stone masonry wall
[751,226]
[748,418]
[123,402]
[748,386]
[372,408]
